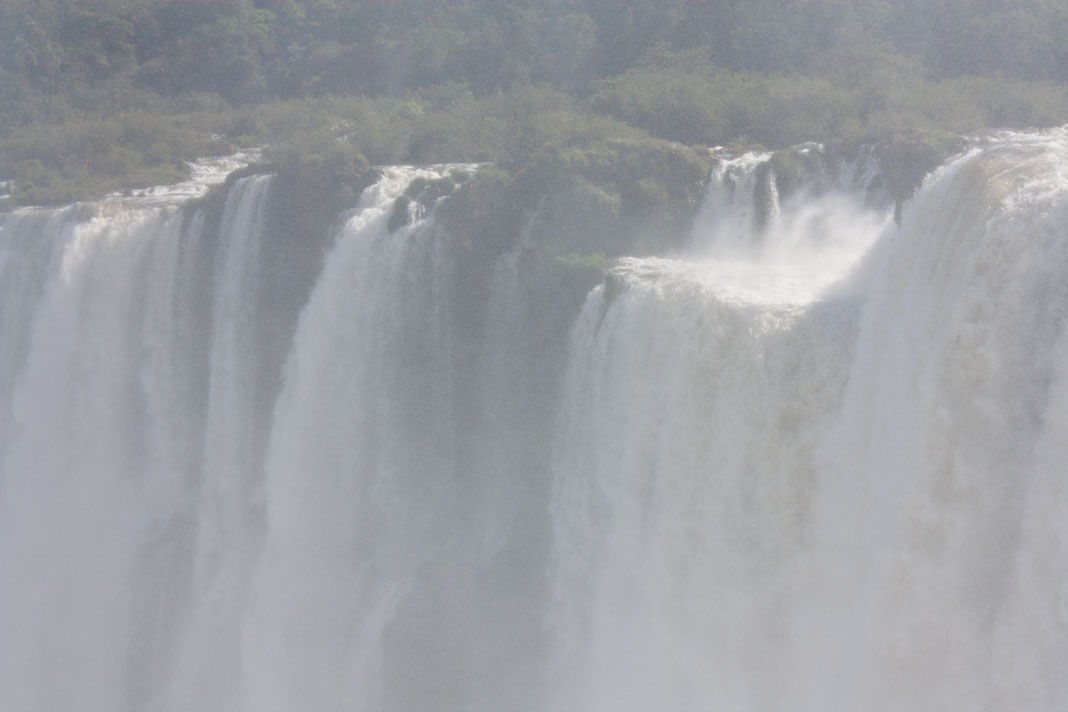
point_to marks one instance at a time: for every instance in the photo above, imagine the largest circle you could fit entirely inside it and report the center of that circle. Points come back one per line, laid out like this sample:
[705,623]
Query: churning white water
[814,462]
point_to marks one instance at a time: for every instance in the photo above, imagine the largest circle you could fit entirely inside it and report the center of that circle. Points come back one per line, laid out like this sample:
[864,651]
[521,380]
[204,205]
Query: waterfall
[79,522]
[812,460]
[128,447]
[940,492]
[697,394]
[361,480]
[834,497]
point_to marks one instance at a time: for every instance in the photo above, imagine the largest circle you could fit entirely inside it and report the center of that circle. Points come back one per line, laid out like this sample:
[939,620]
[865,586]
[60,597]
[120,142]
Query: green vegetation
[585,270]
[593,99]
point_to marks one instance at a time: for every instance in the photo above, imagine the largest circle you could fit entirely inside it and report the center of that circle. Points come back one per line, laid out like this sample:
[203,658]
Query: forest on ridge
[103,95]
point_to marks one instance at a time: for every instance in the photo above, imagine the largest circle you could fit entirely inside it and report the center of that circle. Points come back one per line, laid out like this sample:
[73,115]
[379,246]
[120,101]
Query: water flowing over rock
[814,460]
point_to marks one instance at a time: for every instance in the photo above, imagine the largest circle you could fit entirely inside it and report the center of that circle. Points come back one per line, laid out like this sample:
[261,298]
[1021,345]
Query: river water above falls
[813,461]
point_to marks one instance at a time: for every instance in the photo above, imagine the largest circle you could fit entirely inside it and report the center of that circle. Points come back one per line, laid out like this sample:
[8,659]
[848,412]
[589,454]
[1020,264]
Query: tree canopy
[122,86]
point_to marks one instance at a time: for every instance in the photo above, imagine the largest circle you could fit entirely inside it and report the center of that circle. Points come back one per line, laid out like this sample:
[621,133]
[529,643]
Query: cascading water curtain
[813,461]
